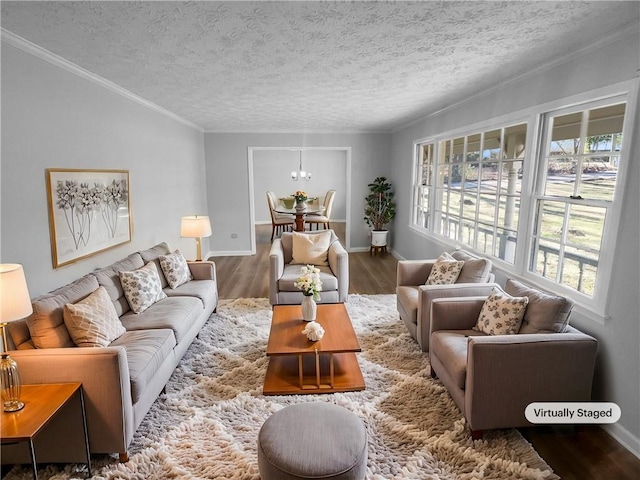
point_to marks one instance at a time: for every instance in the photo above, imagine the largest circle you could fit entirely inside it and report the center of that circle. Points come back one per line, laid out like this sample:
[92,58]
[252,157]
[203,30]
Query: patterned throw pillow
[175,269]
[93,322]
[501,314]
[142,287]
[445,270]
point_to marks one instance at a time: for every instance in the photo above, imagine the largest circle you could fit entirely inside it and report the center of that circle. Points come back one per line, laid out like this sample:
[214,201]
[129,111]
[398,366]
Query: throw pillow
[93,322]
[311,249]
[142,287]
[445,270]
[501,314]
[175,269]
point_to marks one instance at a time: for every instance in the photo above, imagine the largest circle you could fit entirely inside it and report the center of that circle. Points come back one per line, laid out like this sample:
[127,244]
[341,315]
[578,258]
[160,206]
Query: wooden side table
[42,403]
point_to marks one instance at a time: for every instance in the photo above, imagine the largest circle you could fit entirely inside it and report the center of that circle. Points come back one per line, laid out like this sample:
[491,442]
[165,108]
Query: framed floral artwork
[89,212]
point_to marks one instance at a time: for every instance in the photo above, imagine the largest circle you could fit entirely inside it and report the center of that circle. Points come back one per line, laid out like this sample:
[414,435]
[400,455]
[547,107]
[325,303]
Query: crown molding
[631,28]
[37,51]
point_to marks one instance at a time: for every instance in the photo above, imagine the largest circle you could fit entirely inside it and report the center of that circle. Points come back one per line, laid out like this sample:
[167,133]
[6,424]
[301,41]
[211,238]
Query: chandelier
[301,174]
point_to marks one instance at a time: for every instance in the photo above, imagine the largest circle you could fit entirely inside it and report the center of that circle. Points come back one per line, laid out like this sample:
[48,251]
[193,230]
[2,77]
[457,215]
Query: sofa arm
[505,373]
[104,374]
[276,269]
[203,270]
[338,259]
[413,272]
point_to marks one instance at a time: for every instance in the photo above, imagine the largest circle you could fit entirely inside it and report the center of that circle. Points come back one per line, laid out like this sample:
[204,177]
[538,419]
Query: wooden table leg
[299,222]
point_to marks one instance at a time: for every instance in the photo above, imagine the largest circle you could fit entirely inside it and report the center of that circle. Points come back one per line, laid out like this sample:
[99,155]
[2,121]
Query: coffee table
[300,366]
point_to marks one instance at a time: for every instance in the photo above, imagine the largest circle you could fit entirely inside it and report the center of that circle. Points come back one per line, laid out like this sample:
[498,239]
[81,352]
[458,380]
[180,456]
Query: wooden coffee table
[300,366]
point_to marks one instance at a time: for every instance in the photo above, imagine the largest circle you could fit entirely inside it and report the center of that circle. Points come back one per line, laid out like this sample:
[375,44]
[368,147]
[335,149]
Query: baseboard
[230,253]
[624,437]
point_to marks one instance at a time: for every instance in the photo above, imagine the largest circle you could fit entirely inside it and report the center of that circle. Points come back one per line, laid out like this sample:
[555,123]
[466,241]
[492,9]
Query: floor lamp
[196,226]
[15,304]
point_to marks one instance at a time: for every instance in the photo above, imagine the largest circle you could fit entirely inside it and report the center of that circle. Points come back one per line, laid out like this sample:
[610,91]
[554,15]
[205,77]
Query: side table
[41,404]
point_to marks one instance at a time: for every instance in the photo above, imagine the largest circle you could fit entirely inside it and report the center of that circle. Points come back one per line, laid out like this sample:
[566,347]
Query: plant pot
[379,238]
[309,308]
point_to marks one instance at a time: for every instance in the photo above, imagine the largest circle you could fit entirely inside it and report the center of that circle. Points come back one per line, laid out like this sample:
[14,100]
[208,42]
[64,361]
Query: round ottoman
[312,440]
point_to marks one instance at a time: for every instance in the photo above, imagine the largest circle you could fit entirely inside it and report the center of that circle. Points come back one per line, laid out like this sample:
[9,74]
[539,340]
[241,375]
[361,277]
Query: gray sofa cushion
[46,323]
[292,273]
[147,350]
[152,255]
[205,290]
[450,346]
[545,313]
[475,269]
[176,313]
[109,278]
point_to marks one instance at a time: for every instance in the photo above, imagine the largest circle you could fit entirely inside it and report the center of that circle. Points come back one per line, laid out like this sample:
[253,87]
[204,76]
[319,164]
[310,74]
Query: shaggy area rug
[206,425]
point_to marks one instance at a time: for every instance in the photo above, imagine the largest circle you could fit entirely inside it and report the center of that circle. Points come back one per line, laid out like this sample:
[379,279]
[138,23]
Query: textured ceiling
[311,66]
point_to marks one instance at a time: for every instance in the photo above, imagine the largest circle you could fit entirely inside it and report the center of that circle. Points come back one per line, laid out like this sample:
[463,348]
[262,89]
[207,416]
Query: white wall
[228,180]
[272,171]
[53,118]
[617,377]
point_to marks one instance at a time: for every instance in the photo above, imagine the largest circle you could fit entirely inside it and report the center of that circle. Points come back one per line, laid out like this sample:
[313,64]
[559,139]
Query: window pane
[586,224]
[487,207]
[471,172]
[579,269]
[547,259]
[550,220]
[599,179]
[508,212]
[491,148]
[489,177]
[565,135]
[511,177]
[469,207]
[506,244]
[485,239]
[515,141]
[561,178]
[473,148]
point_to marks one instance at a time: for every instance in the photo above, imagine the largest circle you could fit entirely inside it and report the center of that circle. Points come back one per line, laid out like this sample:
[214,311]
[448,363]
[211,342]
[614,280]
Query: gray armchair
[492,378]
[414,297]
[282,275]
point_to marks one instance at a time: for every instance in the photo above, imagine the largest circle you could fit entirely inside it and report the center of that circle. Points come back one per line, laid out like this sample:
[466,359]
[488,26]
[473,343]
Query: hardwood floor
[585,454]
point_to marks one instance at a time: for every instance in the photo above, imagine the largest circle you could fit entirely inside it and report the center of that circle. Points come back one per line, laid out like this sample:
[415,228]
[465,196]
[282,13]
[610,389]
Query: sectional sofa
[121,380]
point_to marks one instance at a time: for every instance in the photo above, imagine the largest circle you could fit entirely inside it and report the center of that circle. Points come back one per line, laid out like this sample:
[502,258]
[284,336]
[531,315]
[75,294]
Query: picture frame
[89,212]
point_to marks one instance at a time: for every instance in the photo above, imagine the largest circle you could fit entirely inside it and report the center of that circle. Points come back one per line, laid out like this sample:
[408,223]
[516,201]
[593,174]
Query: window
[477,189]
[545,216]
[577,184]
[422,184]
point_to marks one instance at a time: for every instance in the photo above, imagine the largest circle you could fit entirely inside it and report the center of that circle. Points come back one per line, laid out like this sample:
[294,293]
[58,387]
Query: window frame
[595,307]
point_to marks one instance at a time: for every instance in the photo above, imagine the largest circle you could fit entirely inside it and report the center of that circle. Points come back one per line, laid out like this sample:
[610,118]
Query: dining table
[300,214]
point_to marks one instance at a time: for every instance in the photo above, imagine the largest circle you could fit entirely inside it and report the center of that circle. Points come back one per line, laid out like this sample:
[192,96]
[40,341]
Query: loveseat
[414,296]
[492,376]
[121,380]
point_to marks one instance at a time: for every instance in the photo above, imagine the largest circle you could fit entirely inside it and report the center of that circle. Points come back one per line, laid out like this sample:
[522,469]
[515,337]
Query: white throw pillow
[445,270]
[93,321]
[311,249]
[175,269]
[142,287]
[501,314]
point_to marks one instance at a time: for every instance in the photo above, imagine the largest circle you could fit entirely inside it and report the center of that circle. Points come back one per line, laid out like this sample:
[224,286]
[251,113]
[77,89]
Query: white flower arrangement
[309,281]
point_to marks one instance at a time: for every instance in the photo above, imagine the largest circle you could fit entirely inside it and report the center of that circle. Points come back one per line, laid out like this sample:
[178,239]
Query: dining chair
[279,222]
[322,218]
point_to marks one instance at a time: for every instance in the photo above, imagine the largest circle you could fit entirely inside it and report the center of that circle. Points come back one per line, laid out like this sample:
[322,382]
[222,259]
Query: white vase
[301,206]
[309,308]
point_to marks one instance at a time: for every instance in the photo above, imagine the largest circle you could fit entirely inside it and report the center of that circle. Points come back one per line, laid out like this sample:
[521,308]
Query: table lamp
[15,304]
[196,226]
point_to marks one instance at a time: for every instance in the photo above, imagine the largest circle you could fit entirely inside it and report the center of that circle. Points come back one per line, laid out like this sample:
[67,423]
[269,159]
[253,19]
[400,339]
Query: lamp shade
[195,226]
[15,302]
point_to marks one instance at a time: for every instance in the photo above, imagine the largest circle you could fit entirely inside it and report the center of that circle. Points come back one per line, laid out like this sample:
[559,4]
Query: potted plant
[379,210]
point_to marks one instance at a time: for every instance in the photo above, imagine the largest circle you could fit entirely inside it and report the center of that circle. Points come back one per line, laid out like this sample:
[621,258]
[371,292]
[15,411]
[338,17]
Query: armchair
[414,297]
[492,378]
[283,274]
